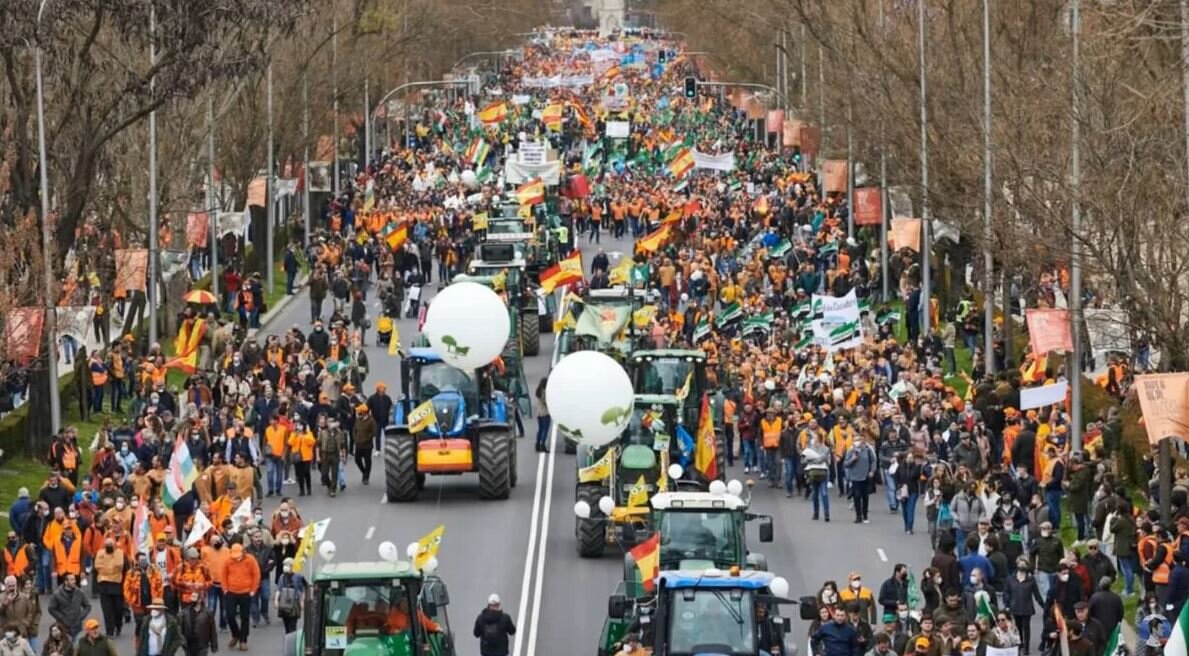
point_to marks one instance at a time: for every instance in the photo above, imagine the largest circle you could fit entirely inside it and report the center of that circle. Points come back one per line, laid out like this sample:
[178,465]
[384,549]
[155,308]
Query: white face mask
[1045,534]
[856,584]
[155,613]
[974,580]
[902,614]
[1063,577]
[288,569]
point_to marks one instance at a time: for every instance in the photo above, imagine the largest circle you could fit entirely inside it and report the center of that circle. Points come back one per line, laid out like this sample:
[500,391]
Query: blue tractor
[473,432]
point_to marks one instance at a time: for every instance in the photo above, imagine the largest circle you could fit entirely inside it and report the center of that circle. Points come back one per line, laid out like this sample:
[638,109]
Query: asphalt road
[523,548]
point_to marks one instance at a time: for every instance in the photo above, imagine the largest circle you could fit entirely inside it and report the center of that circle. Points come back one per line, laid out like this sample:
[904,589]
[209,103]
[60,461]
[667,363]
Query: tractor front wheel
[400,467]
[494,465]
[591,531]
[529,327]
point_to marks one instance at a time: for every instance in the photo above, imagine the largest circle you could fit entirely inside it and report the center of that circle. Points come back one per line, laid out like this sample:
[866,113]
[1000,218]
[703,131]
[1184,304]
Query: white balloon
[675,471]
[388,552]
[582,510]
[735,487]
[468,325]
[606,505]
[718,487]
[412,549]
[469,180]
[326,550]
[590,397]
[431,565]
[779,587]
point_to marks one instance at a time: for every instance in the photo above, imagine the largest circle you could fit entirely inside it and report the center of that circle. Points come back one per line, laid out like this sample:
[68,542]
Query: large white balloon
[327,550]
[589,397]
[469,180]
[467,324]
[388,552]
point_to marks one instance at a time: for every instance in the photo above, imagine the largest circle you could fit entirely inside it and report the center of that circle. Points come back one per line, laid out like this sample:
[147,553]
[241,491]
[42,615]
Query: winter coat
[501,627]
[18,647]
[24,610]
[1123,529]
[198,630]
[171,639]
[70,607]
[1081,480]
[967,509]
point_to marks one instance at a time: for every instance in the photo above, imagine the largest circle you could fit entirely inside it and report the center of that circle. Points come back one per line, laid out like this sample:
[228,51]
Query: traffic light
[691,87]
[660,56]
[797,154]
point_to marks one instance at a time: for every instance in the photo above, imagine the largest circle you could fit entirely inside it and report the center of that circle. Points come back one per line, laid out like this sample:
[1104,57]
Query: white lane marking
[384,499]
[882,556]
[532,633]
[371,530]
[528,556]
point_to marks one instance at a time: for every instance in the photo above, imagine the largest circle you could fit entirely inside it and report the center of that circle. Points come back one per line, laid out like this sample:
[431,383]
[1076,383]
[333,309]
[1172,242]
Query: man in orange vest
[770,428]
[68,553]
[1160,565]
[98,371]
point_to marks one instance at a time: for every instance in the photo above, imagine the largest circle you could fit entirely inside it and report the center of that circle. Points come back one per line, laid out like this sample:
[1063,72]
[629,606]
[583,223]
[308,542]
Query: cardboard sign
[1048,330]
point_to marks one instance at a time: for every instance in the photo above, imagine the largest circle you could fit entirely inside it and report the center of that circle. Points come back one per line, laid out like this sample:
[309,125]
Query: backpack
[288,599]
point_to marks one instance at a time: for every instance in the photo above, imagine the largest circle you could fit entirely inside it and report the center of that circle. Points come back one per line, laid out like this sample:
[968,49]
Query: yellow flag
[394,341]
[427,547]
[638,495]
[525,212]
[422,417]
[683,391]
[643,316]
[305,549]
[479,221]
[662,483]
[598,470]
[622,272]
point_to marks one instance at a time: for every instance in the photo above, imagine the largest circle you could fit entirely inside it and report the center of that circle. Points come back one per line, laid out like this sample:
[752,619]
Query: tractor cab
[457,395]
[373,609]
[666,371]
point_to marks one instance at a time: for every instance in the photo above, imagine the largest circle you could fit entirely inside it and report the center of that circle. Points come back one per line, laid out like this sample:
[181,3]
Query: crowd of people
[259,416]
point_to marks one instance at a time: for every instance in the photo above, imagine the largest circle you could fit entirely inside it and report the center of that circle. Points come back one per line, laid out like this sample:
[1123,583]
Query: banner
[76,322]
[905,233]
[1048,330]
[22,334]
[836,323]
[791,133]
[724,162]
[232,222]
[516,172]
[868,206]
[321,177]
[618,129]
[172,263]
[834,174]
[900,202]
[603,321]
[132,269]
[258,192]
[1107,330]
[811,141]
[1164,402]
[197,228]
[1038,397]
[775,121]
[557,81]
[946,231]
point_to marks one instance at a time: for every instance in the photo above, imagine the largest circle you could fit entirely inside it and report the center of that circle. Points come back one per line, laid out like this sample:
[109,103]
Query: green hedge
[13,427]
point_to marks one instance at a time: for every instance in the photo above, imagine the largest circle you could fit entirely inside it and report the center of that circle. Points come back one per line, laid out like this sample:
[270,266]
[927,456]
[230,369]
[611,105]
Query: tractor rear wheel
[529,327]
[493,465]
[720,454]
[591,531]
[400,467]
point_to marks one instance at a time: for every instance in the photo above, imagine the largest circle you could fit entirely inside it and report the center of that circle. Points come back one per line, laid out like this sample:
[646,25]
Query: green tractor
[667,372]
[642,460]
[502,266]
[373,609]
[604,307]
[704,612]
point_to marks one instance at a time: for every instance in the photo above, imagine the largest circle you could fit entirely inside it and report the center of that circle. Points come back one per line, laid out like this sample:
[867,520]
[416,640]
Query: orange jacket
[192,577]
[157,524]
[173,559]
[132,588]
[68,561]
[241,576]
[214,559]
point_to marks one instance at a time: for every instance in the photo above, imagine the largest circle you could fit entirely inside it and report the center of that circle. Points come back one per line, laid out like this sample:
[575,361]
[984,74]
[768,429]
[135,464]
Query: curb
[275,311]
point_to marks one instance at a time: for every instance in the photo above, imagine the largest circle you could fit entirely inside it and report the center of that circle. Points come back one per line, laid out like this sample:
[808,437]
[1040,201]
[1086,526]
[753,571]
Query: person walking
[200,635]
[241,579]
[302,445]
[94,643]
[159,635]
[110,565]
[544,421]
[58,643]
[13,644]
[366,430]
[493,627]
[263,554]
[290,592]
[21,607]
[319,286]
[69,605]
[815,459]
[860,464]
[331,451]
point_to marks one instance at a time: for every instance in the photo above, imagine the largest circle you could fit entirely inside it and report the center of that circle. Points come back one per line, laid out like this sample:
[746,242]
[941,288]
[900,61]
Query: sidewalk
[275,310]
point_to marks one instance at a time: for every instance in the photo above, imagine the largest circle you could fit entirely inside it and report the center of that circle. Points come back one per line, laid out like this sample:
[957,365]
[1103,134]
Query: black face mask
[109,549]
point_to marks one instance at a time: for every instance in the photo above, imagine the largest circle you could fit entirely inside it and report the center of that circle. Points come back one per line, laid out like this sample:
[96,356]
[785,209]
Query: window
[712,621]
[691,534]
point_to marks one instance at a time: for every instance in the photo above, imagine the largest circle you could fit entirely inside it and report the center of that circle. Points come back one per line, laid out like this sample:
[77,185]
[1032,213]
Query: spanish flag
[682,163]
[672,217]
[186,346]
[493,113]
[396,236]
[705,452]
[531,192]
[551,116]
[422,417]
[581,114]
[653,240]
[647,555]
[566,271]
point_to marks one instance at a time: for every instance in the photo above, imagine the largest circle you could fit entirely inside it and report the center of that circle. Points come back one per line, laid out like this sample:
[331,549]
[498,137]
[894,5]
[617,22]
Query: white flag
[242,515]
[202,526]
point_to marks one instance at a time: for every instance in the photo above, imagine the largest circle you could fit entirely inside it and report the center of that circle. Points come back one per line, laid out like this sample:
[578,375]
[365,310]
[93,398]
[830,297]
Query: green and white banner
[836,323]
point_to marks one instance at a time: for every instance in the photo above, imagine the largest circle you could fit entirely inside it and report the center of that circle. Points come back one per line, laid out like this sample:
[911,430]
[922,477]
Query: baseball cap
[493,599]
[23,493]
[922,643]
[91,624]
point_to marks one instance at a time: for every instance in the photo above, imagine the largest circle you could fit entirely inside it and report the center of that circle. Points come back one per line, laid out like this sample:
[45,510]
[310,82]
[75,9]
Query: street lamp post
[51,318]
[1074,372]
[212,213]
[153,219]
[926,243]
[988,260]
[270,188]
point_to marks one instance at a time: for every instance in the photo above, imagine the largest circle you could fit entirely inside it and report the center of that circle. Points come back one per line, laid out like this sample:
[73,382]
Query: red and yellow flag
[566,271]
[706,452]
[494,113]
[682,163]
[396,236]
[647,555]
[581,114]
[654,240]
[531,192]
[551,116]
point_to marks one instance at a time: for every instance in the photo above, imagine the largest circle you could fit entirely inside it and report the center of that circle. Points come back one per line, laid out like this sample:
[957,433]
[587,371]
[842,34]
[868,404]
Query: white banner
[901,203]
[286,187]
[532,153]
[619,129]
[557,81]
[1005,651]
[614,103]
[173,263]
[516,172]
[724,162]
[77,322]
[836,323]
[521,99]
[234,222]
[1038,397]
[1108,330]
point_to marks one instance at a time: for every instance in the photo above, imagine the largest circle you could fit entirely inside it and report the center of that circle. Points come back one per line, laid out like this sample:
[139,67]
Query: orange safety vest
[68,561]
[771,432]
[16,565]
[98,378]
[1160,574]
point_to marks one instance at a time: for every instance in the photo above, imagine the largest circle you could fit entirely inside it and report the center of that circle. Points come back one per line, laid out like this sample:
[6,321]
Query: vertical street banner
[834,172]
[905,233]
[791,133]
[775,121]
[258,192]
[197,227]
[836,323]
[811,140]
[868,206]
[22,334]
[1048,330]
[132,269]
[900,202]
[1164,402]
[1107,330]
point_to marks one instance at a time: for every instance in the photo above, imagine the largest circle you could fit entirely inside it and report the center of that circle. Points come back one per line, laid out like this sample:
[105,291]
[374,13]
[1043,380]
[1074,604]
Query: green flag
[914,591]
[1115,642]
[781,248]
[602,321]
[702,330]
[730,313]
[761,322]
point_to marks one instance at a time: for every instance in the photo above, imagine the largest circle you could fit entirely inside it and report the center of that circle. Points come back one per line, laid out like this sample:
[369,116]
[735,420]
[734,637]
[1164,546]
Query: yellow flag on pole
[422,417]
[598,470]
[638,495]
[394,340]
[427,547]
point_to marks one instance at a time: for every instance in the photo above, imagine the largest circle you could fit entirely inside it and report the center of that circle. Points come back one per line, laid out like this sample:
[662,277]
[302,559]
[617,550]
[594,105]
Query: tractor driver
[768,636]
[639,633]
[398,618]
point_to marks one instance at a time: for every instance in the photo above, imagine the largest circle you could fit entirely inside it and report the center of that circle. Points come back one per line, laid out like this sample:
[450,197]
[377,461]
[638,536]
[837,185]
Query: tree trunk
[39,429]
